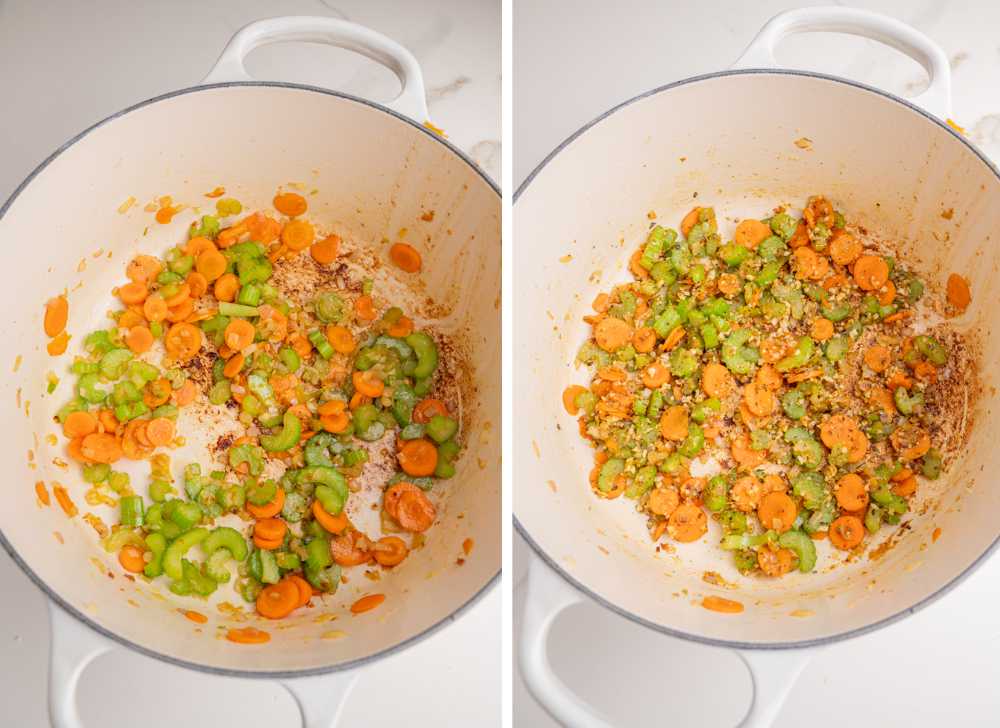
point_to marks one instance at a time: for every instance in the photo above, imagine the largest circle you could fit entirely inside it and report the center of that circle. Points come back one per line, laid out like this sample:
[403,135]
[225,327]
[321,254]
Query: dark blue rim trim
[271,674]
[735,644]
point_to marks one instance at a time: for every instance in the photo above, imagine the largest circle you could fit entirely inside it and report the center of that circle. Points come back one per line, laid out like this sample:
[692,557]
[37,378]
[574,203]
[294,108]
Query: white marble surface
[574,60]
[65,65]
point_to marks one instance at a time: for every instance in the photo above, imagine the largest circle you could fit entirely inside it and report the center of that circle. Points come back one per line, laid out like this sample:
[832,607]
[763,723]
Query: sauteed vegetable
[780,383]
[318,379]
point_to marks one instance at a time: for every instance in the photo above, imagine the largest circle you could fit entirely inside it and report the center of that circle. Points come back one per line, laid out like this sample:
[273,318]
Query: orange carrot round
[211,264]
[268,510]
[846,532]
[56,315]
[131,558]
[325,251]
[239,334]
[248,636]
[364,308]
[290,203]
[160,431]
[226,287]
[139,339]
[405,257]
[418,457]
[341,338]
[79,424]
[183,341]
[367,603]
[132,293]
[368,383]
[333,524]
[390,550]
[298,234]
[278,600]
[154,308]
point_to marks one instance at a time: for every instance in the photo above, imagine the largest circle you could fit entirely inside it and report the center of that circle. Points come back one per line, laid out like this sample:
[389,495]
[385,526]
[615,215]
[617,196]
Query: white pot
[376,171]
[729,137]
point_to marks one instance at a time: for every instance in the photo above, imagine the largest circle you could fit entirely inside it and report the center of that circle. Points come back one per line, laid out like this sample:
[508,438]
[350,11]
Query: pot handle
[73,647]
[548,595]
[774,673]
[411,102]
[905,38]
[321,698]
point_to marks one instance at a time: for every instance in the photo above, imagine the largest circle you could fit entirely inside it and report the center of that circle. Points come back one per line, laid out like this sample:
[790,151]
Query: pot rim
[109,634]
[736,644]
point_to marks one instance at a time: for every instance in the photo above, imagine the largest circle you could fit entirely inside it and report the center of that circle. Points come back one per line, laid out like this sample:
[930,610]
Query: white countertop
[575,60]
[66,65]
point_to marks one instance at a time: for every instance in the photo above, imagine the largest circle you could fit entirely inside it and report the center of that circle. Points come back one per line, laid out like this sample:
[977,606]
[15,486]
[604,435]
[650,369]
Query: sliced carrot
[198,245]
[836,430]
[405,257]
[156,393]
[143,268]
[402,328]
[183,341]
[655,375]
[74,448]
[211,264]
[644,339]
[415,512]
[266,544]
[298,234]
[239,334]
[194,616]
[290,203]
[132,293]
[759,399]
[687,523]
[248,636]
[745,456]
[391,550]
[611,334]
[846,532]
[186,394]
[822,329]
[160,431]
[673,339]
[58,345]
[426,408]
[367,603]
[42,492]
[364,308]
[305,589]
[197,283]
[852,495]
[878,358]
[958,293]
[226,287]
[777,511]
[139,339]
[750,233]
[800,236]
[690,220]
[56,315]
[844,248]
[233,365]
[774,561]
[368,383]
[674,423]
[270,529]
[340,338]
[268,510]
[131,558]
[130,317]
[79,424]
[897,380]
[64,501]
[871,272]
[278,600]
[333,524]
[768,377]
[101,447]
[325,251]
[716,381]
[887,294]
[154,308]
[418,457]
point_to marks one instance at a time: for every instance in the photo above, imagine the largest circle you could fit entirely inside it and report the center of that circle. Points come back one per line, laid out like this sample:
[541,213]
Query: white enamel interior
[729,140]
[374,175]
